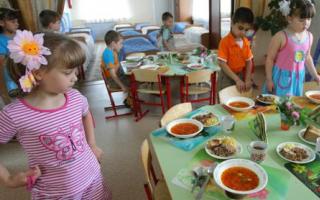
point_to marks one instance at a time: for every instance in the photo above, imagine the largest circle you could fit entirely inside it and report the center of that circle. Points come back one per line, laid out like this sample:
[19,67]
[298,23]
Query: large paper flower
[28,49]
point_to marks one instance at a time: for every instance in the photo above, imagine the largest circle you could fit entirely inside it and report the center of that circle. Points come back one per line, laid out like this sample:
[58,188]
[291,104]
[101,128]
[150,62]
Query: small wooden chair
[175,112]
[232,91]
[113,106]
[312,85]
[197,83]
[155,189]
[146,81]
[139,54]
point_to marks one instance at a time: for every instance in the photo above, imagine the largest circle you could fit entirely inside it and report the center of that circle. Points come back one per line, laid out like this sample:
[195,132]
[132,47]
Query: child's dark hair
[302,8]
[166,16]
[111,36]
[243,15]
[48,16]
[8,14]
[65,52]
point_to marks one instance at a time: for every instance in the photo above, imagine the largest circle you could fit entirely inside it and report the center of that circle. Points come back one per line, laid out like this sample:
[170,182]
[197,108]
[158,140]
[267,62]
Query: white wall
[315,27]
[139,10]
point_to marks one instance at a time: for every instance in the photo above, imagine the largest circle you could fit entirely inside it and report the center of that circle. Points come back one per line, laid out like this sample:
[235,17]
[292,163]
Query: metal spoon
[197,173]
[204,185]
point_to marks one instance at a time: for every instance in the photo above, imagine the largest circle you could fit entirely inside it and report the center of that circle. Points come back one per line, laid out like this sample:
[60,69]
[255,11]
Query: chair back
[199,76]
[312,85]
[146,75]
[232,91]
[175,112]
[147,163]
[140,54]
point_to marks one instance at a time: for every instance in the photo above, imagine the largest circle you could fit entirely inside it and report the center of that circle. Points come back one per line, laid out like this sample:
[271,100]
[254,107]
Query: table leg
[168,87]
[214,87]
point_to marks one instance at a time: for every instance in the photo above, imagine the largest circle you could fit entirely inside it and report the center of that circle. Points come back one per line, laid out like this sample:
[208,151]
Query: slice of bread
[312,133]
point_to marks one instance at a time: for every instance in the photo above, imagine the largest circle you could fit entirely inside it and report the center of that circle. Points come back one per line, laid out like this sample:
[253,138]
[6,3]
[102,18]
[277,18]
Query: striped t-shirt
[54,140]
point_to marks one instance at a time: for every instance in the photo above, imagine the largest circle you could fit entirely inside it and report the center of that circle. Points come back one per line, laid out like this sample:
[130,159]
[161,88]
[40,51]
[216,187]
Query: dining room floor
[120,139]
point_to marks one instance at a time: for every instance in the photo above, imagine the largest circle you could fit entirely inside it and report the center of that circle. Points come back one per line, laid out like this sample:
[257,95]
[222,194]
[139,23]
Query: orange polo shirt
[230,52]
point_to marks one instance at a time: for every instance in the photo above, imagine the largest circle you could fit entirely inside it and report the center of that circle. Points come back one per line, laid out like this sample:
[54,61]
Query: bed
[138,44]
[128,33]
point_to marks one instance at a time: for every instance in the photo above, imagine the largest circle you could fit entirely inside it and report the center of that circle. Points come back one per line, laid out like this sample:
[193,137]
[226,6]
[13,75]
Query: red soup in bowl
[240,178]
[184,128]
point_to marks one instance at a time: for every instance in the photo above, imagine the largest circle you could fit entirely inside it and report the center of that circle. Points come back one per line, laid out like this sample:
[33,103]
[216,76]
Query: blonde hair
[65,52]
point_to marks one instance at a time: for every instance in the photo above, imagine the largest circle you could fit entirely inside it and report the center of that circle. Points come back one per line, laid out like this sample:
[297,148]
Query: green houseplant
[275,20]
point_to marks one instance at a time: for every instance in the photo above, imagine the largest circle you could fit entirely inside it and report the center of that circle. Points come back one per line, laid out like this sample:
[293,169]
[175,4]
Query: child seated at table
[115,76]
[50,20]
[234,53]
[165,37]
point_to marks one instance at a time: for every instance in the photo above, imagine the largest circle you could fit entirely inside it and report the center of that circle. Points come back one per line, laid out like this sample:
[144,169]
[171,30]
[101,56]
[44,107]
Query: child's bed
[128,33]
[138,44]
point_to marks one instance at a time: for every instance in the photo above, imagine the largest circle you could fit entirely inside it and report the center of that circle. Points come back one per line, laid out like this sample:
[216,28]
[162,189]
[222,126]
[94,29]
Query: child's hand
[270,86]
[97,152]
[248,84]
[241,86]
[20,179]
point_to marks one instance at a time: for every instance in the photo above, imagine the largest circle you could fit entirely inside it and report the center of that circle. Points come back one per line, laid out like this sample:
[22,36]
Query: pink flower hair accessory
[28,49]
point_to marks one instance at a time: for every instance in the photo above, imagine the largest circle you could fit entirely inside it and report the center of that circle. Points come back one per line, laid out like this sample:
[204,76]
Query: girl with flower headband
[52,121]
[289,50]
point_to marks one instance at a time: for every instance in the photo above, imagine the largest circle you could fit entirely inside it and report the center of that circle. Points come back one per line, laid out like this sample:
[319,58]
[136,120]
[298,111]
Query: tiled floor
[119,138]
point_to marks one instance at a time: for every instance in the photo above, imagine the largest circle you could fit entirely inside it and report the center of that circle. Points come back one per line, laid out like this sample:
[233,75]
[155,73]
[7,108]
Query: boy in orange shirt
[234,53]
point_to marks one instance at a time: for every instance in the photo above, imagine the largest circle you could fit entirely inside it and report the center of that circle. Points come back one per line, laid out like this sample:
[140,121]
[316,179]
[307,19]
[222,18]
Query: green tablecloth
[172,160]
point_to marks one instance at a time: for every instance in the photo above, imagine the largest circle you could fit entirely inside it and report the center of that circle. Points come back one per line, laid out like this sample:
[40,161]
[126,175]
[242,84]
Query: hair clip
[28,49]
[284,7]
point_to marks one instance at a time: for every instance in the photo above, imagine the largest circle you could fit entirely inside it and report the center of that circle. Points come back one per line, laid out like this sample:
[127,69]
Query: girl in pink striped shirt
[52,121]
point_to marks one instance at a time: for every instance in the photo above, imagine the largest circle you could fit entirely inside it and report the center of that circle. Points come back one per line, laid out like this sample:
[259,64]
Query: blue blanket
[138,44]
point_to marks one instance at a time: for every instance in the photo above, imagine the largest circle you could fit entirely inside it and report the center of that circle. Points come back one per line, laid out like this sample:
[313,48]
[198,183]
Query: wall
[315,28]
[140,11]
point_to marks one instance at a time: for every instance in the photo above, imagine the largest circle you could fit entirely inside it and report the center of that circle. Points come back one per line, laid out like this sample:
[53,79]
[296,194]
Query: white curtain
[200,12]
[101,10]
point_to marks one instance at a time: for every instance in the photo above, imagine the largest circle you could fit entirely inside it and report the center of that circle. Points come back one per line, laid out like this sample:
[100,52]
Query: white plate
[150,66]
[195,66]
[308,93]
[256,168]
[301,133]
[276,98]
[178,121]
[204,113]
[310,152]
[243,99]
[210,153]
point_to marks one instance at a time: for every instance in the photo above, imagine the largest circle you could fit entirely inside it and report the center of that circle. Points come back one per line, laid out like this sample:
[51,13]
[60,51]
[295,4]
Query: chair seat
[193,89]
[150,88]
[161,191]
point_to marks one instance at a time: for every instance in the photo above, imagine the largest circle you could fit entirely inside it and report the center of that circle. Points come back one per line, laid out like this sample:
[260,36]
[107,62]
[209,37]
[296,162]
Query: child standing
[289,52]
[50,20]
[52,122]
[8,27]
[165,37]
[234,53]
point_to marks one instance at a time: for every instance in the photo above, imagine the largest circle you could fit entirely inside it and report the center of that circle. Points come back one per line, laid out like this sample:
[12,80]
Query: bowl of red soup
[313,96]
[184,128]
[240,104]
[240,177]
